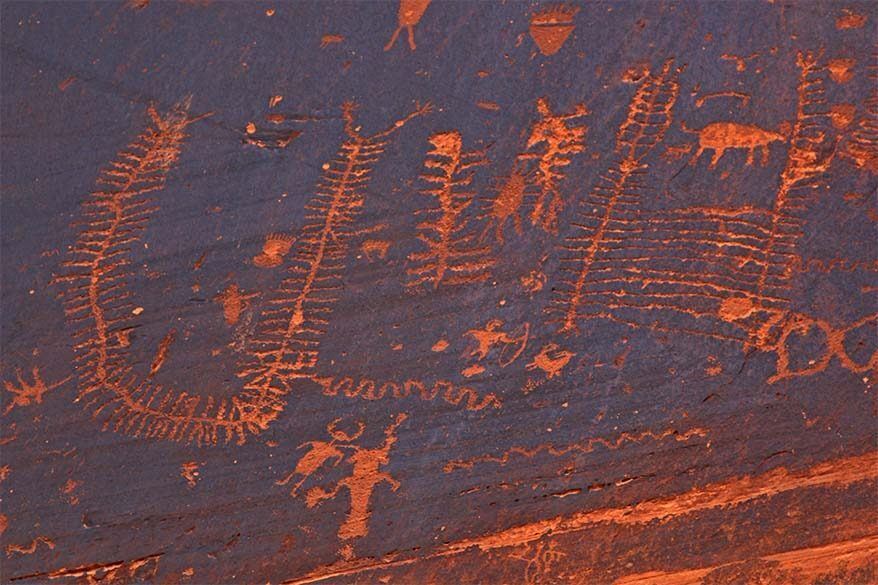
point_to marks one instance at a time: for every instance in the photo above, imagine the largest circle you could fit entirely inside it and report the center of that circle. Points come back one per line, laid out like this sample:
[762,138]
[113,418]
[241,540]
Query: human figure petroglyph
[320,452]
[408,16]
[491,335]
[366,474]
[559,141]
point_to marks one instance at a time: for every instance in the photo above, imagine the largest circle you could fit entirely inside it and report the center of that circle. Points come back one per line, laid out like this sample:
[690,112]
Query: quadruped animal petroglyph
[722,136]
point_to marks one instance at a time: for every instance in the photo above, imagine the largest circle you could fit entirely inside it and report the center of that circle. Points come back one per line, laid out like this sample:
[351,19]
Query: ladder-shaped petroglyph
[861,148]
[98,299]
[719,272]
[617,193]
[453,255]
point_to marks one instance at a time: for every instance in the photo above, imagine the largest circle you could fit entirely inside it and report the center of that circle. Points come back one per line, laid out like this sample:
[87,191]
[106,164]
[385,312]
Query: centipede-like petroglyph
[649,116]
[453,255]
[287,338]
[862,146]
[719,272]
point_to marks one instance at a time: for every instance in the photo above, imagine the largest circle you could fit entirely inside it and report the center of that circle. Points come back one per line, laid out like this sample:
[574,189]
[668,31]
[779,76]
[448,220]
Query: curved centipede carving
[724,273]
[287,338]
[649,116]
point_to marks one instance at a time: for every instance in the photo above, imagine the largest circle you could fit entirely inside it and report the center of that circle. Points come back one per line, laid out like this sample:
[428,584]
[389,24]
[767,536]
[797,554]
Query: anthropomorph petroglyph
[409,15]
[366,473]
[320,452]
[557,140]
[485,339]
[26,393]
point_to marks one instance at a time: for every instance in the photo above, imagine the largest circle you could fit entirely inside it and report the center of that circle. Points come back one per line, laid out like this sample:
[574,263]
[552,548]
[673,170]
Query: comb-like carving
[285,348]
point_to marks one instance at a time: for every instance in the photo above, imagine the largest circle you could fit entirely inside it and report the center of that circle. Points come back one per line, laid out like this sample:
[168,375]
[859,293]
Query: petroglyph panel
[438,292]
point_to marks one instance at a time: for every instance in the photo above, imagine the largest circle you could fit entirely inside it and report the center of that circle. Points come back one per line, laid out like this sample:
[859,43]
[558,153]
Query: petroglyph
[649,116]
[840,70]
[234,302]
[453,255]
[275,248]
[848,19]
[584,448]
[507,203]
[539,558]
[551,26]
[744,97]
[713,267]
[534,281]
[29,549]
[409,15]
[368,389]
[739,61]
[861,148]
[189,472]
[720,136]
[162,352]
[375,249]
[491,336]
[320,452]
[366,474]
[26,393]
[559,142]
[551,360]
[270,139]
[284,348]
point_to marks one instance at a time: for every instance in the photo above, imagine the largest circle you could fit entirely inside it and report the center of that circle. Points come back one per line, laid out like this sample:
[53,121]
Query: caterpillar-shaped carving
[285,348]
[452,255]
[649,116]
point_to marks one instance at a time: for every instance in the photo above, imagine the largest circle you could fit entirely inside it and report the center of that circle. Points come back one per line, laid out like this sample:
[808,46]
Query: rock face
[286,301]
